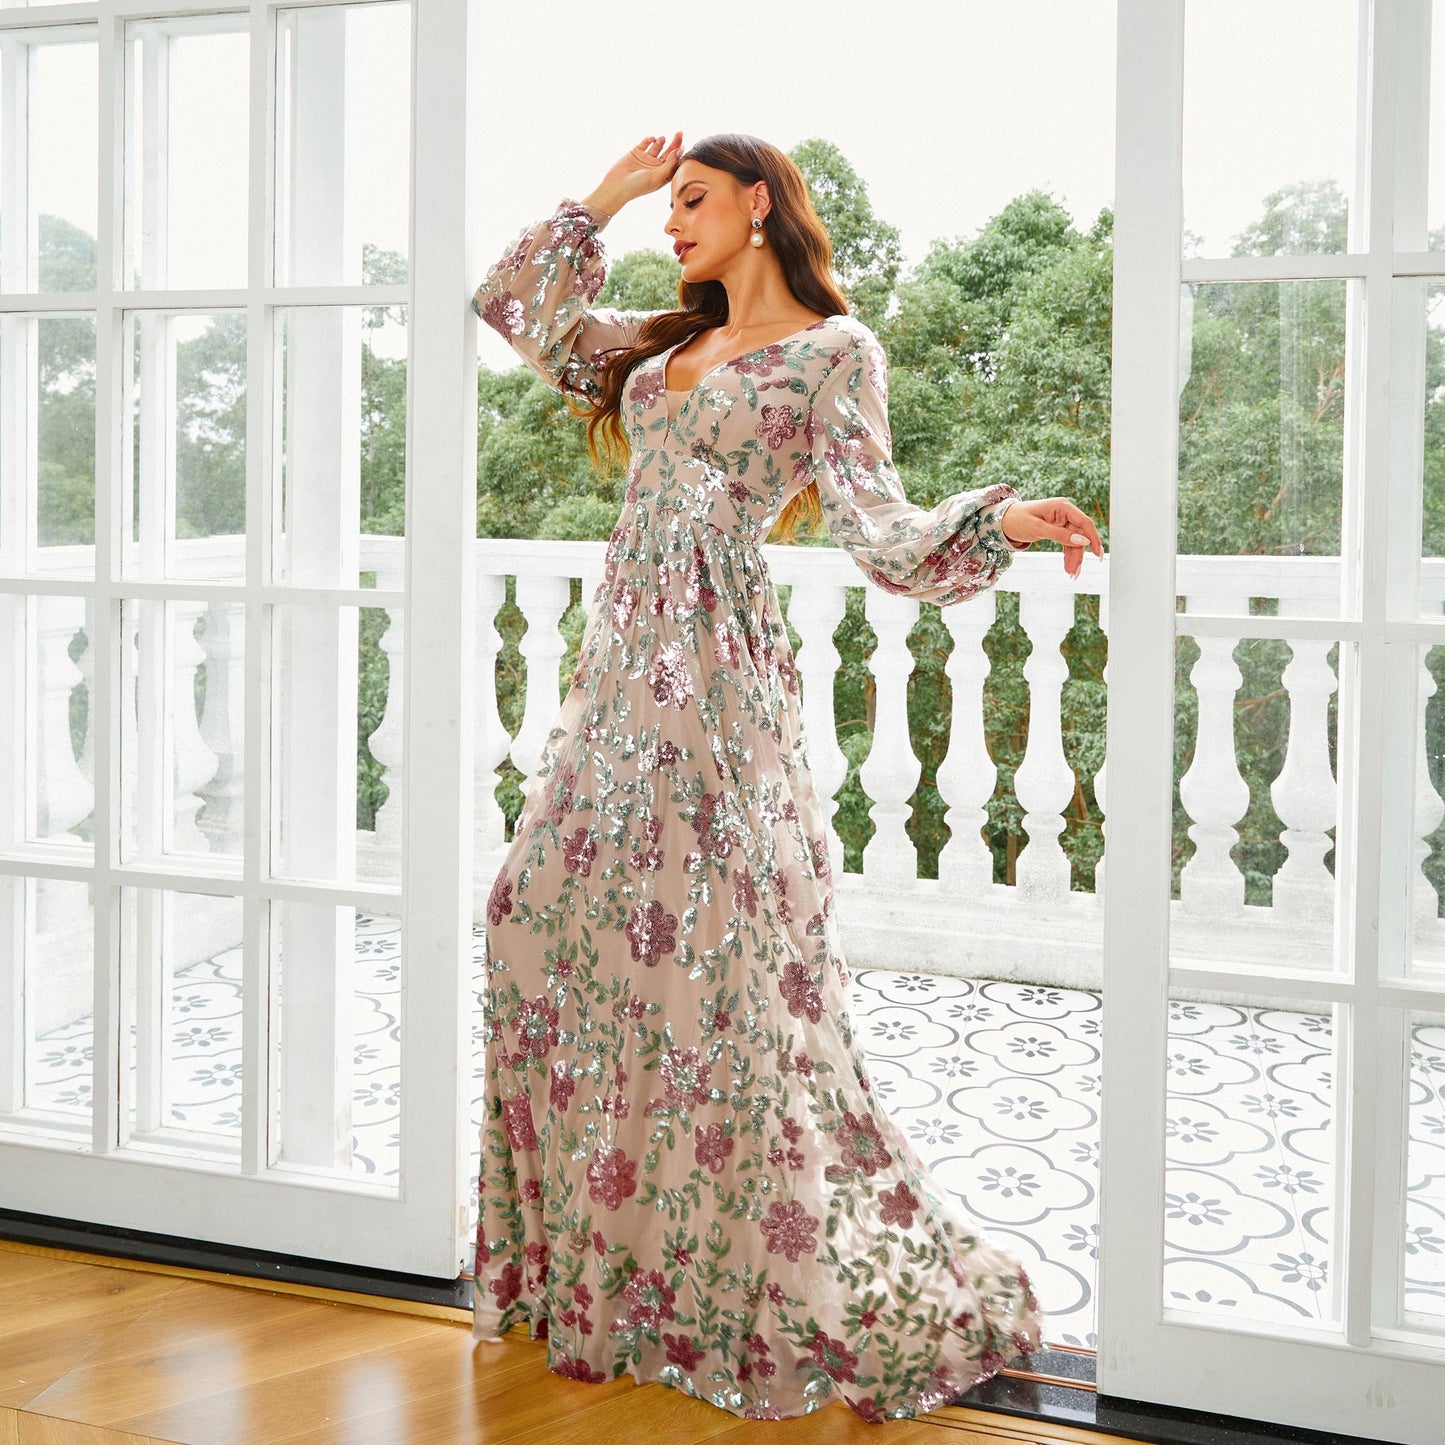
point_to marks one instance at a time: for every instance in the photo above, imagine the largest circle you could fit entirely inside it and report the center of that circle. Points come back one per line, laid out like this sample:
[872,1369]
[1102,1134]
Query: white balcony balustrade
[1042,928]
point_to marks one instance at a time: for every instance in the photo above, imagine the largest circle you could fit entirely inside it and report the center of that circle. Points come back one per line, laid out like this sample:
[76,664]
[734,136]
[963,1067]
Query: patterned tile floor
[998,1085]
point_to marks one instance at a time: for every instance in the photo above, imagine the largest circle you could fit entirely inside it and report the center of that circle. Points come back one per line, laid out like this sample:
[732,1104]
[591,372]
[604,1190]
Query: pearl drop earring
[757,237]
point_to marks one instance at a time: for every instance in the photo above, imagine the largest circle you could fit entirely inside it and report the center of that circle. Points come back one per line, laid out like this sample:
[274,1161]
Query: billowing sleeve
[537,296]
[942,555]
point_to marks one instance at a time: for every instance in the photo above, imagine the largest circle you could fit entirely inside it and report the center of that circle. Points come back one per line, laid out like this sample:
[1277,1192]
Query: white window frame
[418,1225]
[1379,1374]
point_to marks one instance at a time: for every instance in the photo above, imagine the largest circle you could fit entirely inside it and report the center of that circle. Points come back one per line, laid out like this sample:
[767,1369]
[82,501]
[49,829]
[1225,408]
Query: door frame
[1385,1379]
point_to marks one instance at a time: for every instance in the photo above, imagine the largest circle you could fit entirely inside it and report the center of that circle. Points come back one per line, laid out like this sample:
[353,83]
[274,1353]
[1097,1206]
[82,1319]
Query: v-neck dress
[686,1173]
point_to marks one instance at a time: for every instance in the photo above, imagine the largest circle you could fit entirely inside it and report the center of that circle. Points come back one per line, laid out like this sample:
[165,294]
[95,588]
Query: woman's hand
[644,168]
[1053,519]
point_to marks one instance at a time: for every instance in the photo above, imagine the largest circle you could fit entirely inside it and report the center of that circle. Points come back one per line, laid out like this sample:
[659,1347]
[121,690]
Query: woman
[685,1173]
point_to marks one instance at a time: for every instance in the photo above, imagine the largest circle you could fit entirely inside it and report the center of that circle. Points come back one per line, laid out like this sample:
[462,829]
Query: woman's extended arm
[941,555]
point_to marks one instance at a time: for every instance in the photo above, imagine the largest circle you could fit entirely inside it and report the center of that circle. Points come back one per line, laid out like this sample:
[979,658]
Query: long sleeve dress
[686,1174]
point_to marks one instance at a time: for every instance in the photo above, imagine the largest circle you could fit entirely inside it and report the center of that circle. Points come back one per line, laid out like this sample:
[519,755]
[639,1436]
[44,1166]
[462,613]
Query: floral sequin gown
[686,1174]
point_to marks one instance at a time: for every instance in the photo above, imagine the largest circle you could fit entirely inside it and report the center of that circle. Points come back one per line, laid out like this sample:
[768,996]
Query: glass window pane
[47,445]
[48,171]
[65,445]
[343,128]
[1268,146]
[341,464]
[182,731]
[1261,421]
[63,180]
[47,929]
[1249,1161]
[45,647]
[185,467]
[338,746]
[187,93]
[181,1005]
[1435,182]
[336,1107]
[1256,802]
[1424,854]
[1425,1169]
[1419,445]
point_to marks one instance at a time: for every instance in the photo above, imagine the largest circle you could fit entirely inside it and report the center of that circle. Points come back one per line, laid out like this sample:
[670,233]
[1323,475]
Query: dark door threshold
[136,1244]
[1020,1394]
[1054,1403]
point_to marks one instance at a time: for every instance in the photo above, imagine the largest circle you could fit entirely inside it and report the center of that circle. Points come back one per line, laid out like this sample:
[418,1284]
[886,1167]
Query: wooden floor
[98,1352]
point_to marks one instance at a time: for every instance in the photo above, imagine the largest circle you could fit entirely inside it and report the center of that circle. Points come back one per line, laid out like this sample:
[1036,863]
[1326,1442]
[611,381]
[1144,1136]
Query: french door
[1360,976]
[235,855]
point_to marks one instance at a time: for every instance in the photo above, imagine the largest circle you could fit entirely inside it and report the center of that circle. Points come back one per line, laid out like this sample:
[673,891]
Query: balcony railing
[1040,928]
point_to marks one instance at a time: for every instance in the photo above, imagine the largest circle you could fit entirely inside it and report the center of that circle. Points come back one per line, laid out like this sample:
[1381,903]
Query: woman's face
[710,219]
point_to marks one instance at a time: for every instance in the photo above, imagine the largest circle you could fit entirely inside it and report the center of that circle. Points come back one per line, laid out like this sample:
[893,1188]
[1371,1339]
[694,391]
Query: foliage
[867,254]
[642,281]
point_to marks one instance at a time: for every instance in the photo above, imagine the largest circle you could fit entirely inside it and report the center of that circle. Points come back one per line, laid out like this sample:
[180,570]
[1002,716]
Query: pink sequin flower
[835,1358]
[517,1120]
[652,931]
[790,1230]
[682,1352]
[712,1147]
[505,315]
[898,1205]
[611,1178]
[507,1286]
[863,1146]
[499,900]
[649,1298]
[536,1027]
[579,849]
[670,677]
[777,425]
[800,991]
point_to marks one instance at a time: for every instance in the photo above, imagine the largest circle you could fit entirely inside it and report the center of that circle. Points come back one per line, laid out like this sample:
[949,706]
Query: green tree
[867,254]
[65,403]
[642,281]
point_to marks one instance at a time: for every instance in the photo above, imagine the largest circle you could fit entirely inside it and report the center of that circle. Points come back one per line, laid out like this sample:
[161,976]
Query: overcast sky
[946,108]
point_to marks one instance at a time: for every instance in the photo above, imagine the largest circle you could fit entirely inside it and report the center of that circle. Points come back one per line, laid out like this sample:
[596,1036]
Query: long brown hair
[805,252]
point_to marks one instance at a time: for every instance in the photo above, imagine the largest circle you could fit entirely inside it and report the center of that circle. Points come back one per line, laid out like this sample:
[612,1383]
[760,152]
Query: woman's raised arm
[538,295]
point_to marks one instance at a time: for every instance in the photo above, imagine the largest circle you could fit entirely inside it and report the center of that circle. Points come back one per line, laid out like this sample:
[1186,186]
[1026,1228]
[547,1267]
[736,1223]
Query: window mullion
[110,1089]
[1362,1086]
[260,999]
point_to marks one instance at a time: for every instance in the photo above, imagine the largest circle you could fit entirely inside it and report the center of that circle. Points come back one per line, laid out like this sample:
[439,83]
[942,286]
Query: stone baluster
[223,724]
[85,759]
[386,747]
[493,741]
[193,763]
[967,775]
[543,599]
[1429,810]
[1304,793]
[63,797]
[891,771]
[1213,792]
[815,610]
[1044,781]
[1099,778]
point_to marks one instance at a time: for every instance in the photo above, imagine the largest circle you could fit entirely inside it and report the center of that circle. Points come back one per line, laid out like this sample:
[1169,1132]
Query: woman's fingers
[1056,519]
